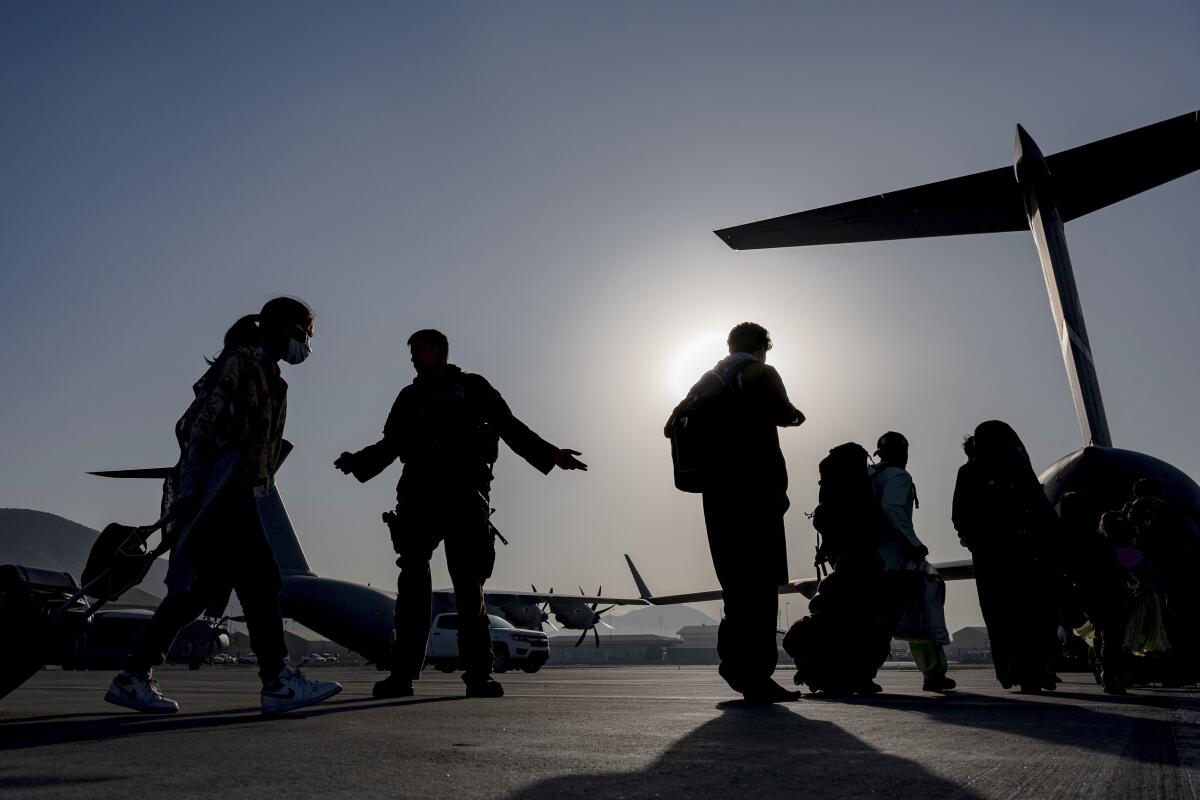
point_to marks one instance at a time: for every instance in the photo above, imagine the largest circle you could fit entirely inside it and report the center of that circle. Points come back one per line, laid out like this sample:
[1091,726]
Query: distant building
[693,644]
[970,645]
[641,648]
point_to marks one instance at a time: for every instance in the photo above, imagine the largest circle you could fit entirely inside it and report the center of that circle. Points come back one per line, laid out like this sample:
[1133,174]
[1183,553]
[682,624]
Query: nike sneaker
[141,693]
[291,690]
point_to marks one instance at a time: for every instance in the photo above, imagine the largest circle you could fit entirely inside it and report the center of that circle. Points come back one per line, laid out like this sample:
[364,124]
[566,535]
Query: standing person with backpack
[897,495]
[237,420]
[725,445]
[446,428]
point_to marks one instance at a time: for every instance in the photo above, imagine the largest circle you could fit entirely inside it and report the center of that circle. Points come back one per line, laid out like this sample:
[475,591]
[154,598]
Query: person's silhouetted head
[430,349]
[749,337]
[1117,528]
[283,329]
[892,449]
[968,446]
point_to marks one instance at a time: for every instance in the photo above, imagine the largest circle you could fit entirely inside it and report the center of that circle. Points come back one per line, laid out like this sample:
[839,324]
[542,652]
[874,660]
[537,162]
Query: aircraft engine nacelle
[1108,474]
[527,616]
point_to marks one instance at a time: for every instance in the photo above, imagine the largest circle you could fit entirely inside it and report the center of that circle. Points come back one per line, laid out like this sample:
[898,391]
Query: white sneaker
[291,690]
[141,693]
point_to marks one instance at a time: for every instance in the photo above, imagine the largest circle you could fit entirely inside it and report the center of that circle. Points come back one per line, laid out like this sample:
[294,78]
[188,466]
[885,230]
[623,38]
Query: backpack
[702,432]
[848,515]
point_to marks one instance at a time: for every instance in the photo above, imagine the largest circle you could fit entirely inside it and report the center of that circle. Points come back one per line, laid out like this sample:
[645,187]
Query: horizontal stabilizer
[1096,175]
[986,202]
[1086,178]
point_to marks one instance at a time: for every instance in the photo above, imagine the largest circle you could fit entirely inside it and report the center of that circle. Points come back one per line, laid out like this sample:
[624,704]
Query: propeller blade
[605,624]
[594,607]
[583,636]
[551,624]
[582,592]
[597,634]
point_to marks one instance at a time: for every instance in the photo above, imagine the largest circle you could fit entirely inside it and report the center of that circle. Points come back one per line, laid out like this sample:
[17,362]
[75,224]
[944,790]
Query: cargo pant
[460,519]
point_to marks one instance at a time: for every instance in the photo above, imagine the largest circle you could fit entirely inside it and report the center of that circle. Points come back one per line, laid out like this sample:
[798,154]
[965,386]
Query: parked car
[512,647]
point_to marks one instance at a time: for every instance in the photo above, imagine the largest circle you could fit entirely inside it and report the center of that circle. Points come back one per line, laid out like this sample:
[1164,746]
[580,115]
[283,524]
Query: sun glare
[699,355]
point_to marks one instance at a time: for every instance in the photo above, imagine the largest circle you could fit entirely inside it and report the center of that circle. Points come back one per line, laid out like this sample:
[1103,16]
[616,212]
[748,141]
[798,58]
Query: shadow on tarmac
[52,729]
[780,753]
[766,752]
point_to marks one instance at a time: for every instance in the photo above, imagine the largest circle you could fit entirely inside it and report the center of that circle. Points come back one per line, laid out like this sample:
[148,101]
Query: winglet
[643,590]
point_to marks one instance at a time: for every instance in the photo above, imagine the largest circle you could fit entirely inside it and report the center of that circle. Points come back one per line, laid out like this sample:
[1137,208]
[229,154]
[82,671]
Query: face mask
[297,351]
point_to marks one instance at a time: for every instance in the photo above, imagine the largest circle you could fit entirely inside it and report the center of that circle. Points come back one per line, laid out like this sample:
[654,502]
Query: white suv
[512,647]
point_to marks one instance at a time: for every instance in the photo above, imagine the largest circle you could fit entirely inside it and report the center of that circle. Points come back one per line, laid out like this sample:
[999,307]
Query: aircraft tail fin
[289,555]
[1095,175]
[643,589]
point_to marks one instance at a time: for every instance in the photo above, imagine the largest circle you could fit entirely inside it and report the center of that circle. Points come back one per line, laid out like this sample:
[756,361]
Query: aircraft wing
[502,598]
[986,202]
[949,570]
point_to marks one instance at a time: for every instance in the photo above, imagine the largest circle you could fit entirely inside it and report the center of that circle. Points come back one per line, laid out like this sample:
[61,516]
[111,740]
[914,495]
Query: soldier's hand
[565,459]
[345,462]
[795,422]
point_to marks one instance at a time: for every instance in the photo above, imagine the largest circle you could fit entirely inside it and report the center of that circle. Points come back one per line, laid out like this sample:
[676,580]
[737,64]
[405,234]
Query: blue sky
[540,181]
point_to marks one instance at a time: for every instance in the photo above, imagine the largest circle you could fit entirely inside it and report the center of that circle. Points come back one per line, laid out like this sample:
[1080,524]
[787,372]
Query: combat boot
[938,683]
[392,686]
[487,687]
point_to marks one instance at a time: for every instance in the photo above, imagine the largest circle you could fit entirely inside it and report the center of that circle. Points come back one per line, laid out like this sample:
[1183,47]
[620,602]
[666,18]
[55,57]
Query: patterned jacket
[240,402]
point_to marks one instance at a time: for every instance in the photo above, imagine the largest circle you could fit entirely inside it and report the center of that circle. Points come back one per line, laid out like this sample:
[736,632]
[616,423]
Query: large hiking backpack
[847,516]
[701,432]
[844,639]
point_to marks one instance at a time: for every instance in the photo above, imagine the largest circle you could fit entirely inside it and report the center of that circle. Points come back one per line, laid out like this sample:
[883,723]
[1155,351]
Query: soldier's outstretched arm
[542,455]
[374,458]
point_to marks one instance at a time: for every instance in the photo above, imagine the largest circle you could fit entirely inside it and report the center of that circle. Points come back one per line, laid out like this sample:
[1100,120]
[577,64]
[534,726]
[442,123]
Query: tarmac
[636,732]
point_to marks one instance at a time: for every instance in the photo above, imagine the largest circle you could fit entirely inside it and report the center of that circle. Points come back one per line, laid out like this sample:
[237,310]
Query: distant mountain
[666,620]
[38,539]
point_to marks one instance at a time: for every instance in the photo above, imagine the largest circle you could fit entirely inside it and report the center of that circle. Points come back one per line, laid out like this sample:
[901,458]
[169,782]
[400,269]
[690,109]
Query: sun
[699,355]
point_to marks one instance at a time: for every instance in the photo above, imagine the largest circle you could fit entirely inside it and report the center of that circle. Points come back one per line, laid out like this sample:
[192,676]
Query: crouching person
[897,496]
[236,419]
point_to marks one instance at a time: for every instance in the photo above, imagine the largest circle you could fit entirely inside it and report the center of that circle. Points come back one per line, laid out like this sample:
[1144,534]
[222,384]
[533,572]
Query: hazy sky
[540,181]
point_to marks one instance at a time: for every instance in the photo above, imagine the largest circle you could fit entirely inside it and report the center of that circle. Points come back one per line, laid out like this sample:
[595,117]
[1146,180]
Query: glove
[345,463]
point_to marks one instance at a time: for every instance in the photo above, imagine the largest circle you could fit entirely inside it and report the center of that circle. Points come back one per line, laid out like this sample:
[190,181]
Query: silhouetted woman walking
[230,440]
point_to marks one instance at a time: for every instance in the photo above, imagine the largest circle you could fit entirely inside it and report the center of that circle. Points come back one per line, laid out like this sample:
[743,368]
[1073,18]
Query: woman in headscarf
[1003,517]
